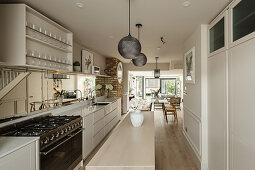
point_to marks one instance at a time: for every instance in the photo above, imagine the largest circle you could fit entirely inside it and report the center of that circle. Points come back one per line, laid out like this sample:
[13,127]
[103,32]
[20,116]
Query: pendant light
[129,47]
[141,58]
[156,71]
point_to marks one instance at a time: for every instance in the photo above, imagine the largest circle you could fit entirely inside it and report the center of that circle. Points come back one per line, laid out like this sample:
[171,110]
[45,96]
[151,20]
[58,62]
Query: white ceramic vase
[136,118]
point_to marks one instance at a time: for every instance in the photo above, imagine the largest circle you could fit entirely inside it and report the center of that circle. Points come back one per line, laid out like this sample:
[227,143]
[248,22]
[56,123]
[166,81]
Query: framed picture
[189,66]
[86,61]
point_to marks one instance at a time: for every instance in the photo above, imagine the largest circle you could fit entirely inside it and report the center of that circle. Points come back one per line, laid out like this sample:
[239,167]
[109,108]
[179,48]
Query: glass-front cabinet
[242,19]
[217,34]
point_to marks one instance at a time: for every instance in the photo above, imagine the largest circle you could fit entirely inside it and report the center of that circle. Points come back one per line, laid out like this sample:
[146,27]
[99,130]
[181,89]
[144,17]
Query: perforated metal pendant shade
[129,47]
[140,60]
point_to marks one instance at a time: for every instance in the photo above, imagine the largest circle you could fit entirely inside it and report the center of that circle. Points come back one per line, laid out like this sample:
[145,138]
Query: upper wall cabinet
[218,34]
[29,39]
[242,21]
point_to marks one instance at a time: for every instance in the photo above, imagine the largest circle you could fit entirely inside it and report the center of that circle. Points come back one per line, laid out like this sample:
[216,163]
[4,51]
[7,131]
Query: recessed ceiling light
[186,3]
[158,48]
[79,4]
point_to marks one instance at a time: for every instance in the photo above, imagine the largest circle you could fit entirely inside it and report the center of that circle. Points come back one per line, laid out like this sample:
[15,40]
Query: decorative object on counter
[189,66]
[156,71]
[86,61]
[129,47]
[137,116]
[141,58]
[95,70]
[108,87]
[157,95]
[77,66]
[60,95]
[99,87]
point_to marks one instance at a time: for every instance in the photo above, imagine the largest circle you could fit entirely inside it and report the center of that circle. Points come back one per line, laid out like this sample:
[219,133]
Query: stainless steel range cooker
[60,139]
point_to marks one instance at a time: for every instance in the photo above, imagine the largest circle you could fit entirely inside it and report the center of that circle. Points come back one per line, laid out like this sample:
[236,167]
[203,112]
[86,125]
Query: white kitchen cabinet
[241,16]
[22,159]
[87,135]
[241,99]
[98,124]
[29,39]
[217,111]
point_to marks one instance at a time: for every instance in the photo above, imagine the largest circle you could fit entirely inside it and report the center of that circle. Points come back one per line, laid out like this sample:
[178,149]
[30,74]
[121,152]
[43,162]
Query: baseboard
[193,147]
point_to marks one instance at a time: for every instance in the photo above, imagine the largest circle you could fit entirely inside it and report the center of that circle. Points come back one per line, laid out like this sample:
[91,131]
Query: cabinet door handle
[30,96]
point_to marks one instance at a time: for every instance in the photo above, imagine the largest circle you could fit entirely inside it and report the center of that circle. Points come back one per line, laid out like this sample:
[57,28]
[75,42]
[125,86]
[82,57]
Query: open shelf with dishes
[35,41]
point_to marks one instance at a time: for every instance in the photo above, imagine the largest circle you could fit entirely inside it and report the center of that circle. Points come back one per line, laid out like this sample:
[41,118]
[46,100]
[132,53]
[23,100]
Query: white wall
[195,109]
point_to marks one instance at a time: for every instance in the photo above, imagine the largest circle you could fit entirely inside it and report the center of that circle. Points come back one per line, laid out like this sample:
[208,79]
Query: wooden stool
[170,110]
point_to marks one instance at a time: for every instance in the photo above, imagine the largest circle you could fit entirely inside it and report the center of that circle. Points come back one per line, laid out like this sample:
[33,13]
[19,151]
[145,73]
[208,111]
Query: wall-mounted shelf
[25,33]
[88,74]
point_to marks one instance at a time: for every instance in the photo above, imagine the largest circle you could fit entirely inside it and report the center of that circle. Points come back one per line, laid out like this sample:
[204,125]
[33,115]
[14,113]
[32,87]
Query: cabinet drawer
[114,105]
[110,125]
[98,115]
[98,126]
[108,109]
[110,116]
[98,138]
[88,121]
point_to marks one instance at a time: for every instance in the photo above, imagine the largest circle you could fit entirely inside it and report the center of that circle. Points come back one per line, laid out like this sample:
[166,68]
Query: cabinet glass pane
[217,38]
[243,19]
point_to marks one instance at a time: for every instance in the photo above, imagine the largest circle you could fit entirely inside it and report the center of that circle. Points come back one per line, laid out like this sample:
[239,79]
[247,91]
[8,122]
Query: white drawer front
[97,139]
[110,116]
[98,126]
[98,115]
[114,105]
[108,109]
[88,121]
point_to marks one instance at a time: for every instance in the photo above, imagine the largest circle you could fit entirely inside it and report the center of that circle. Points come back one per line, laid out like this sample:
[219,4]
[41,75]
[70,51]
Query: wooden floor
[172,150]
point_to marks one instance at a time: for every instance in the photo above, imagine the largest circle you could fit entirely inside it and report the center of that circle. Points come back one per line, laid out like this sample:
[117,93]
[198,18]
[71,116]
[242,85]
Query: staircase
[9,79]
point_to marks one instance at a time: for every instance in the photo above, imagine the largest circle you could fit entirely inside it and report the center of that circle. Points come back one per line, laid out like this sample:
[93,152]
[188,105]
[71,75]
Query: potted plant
[60,95]
[136,116]
[157,95]
[108,87]
[77,66]
[99,88]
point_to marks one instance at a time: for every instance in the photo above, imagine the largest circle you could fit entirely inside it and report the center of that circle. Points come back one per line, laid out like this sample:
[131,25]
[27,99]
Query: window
[168,86]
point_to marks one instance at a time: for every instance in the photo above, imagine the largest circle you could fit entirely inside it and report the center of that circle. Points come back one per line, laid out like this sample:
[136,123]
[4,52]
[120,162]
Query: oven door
[65,154]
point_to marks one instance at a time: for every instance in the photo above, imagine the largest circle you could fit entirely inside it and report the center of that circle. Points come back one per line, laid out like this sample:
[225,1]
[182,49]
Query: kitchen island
[128,148]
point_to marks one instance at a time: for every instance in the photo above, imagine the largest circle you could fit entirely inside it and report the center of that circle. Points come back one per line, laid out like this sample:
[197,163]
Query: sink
[101,103]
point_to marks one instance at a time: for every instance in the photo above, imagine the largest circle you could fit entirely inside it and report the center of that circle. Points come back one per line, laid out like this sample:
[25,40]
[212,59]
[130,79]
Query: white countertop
[60,110]
[11,144]
[128,147]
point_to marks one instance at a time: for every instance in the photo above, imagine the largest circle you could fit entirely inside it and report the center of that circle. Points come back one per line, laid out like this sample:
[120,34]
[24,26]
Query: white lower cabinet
[22,159]
[98,137]
[98,124]
[87,135]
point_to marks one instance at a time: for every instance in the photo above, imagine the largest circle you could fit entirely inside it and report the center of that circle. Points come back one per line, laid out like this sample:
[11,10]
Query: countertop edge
[19,146]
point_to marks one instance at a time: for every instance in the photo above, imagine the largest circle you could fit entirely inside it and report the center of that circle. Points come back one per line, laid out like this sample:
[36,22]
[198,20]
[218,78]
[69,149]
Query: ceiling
[100,24]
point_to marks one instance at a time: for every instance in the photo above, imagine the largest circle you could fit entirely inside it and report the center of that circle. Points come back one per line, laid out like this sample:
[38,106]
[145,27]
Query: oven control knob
[57,134]
[46,140]
[69,127]
[52,137]
[66,129]
[62,132]
[72,126]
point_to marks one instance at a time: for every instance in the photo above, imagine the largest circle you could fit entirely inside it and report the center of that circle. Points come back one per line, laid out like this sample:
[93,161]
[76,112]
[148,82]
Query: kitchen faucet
[80,93]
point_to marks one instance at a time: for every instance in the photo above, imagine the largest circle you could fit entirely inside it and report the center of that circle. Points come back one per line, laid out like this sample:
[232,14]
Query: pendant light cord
[129,18]
[139,33]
